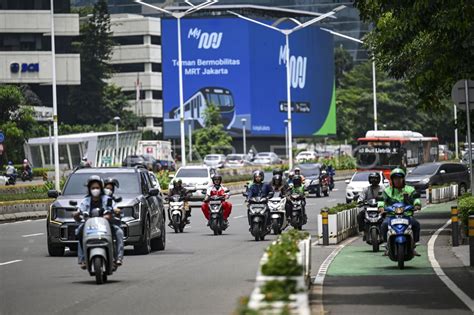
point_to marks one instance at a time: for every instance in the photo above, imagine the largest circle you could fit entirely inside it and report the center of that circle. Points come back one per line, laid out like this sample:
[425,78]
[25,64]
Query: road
[198,273]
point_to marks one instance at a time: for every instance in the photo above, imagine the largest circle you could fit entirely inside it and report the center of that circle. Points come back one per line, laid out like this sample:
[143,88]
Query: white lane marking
[240,216]
[22,221]
[238,204]
[30,235]
[440,273]
[10,262]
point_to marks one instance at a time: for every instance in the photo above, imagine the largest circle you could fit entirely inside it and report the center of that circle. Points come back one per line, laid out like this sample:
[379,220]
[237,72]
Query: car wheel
[145,247]
[159,243]
[55,250]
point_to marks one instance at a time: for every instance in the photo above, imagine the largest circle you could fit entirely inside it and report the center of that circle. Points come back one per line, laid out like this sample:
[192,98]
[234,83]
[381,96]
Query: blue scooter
[400,241]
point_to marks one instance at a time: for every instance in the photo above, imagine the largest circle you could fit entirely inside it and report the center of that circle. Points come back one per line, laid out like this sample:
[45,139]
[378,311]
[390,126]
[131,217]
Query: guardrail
[340,226]
[442,194]
[299,302]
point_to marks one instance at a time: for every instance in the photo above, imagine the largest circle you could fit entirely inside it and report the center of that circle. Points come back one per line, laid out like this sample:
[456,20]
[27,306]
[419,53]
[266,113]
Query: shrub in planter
[282,259]
[341,207]
[277,290]
[466,207]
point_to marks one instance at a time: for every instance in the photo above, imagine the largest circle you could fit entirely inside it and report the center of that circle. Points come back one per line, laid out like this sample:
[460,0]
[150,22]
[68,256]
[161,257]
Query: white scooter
[279,221]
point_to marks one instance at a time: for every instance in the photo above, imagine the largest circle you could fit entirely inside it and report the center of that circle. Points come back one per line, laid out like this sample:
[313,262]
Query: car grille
[68,232]
[125,231]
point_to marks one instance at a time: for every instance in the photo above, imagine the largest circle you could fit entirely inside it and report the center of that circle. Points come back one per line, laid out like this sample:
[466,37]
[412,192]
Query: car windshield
[191,172]
[361,177]
[211,157]
[234,158]
[305,154]
[263,155]
[310,170]
[134,158]
[425,169]
[128,183]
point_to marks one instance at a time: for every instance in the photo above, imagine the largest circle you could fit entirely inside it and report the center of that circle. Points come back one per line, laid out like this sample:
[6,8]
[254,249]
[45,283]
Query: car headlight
[136,211]
[425,181]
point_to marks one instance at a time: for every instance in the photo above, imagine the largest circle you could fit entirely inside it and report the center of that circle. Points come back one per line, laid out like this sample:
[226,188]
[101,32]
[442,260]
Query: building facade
[137,63]
[25,47]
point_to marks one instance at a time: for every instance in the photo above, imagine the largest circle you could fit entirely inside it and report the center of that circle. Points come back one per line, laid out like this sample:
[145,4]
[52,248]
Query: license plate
[400,221]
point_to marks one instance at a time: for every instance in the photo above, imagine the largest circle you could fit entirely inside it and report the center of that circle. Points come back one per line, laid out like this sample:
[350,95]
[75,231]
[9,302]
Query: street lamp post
[117,121]
[243,120]
[287,33]
[178,15]
[55,101]
[50,121]
[286,137]
[456,142]
[374,79]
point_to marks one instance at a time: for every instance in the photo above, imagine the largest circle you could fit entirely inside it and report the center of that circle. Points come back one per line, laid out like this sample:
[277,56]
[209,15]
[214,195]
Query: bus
[195,106]
[387,149]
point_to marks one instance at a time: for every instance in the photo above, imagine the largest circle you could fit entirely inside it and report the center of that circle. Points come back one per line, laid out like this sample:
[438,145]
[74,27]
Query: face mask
[95,192]
[108,192]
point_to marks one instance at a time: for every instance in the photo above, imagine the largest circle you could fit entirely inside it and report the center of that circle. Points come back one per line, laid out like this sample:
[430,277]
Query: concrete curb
[11,217]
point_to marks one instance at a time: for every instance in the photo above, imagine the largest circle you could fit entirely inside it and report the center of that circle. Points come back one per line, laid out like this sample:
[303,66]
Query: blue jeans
[119,244]
[415,225]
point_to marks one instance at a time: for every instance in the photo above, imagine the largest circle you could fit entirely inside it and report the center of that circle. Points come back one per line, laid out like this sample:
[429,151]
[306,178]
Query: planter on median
[442,194]
[341,226]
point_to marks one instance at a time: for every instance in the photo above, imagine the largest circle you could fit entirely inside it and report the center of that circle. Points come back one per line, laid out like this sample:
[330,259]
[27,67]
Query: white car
[358,182]
[306,156]
[194,177]
[214,160]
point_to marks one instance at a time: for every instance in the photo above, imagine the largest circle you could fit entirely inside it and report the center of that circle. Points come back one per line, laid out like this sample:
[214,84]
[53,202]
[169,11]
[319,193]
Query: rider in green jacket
[399,192]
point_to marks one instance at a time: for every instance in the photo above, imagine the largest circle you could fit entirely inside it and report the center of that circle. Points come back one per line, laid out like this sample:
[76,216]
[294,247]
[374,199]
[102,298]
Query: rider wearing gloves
[178,189]
[372,192]
[258,188]
[399,192]
[217,190]
[96,199]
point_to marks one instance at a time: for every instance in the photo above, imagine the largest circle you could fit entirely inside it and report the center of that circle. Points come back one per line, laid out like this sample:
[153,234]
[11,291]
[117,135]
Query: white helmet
[25,161]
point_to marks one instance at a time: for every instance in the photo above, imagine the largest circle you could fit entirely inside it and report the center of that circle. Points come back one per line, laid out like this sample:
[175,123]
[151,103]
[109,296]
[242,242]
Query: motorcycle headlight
[399,210]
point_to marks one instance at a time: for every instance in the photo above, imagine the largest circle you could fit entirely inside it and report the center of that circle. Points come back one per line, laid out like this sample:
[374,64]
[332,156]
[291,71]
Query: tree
[342,63]
[115,104]
[86,101]
[396,104]
[212,138]
[430,44]
[10,100]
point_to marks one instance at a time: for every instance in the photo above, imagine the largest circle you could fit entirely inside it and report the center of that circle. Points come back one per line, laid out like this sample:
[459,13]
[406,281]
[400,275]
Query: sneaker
[118,262]
[82,265]
[226,223]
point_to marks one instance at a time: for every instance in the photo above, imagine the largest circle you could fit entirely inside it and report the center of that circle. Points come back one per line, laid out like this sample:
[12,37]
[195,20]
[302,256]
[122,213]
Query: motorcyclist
[298,173]
[331,172]
[290,177]
[27,168]
[216,189]
[10,170]
[278,186]
[296,188]
[84,162]
[178,189]
[400,192]
[258,188]
[95,199]
[373,191]
[110,184]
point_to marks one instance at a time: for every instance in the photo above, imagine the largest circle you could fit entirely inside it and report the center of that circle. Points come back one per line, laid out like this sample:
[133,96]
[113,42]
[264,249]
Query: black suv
[147,161]
[143,215]
[430,174]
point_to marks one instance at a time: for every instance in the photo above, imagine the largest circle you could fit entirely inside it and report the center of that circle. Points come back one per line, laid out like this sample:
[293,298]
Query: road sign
[2,137]
[107,160]
[458,94]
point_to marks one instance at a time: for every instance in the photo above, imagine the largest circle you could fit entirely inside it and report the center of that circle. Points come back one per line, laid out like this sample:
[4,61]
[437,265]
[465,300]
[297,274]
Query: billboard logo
[297,68]
[206,40]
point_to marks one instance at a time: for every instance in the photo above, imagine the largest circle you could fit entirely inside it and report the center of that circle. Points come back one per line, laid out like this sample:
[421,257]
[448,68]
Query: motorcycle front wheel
[374,237]
[99,276]
[401,255]
[256,231]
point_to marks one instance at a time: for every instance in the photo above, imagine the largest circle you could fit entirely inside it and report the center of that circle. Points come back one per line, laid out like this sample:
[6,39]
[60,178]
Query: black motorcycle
[216,215]
[372,227]
[258,213]
[11,179]
[25,175]
[297,218]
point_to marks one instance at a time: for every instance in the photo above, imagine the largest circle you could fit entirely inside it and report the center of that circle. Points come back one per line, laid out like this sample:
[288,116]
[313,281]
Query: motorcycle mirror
[347,181]
[153,192]
[118,199]
[73,203]
[53,193]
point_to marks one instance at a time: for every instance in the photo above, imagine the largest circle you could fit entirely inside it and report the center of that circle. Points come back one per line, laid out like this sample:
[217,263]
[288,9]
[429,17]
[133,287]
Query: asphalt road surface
[198,273]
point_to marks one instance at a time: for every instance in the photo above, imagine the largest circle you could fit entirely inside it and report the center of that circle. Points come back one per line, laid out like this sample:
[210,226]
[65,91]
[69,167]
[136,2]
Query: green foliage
[212,138]
[163,179]
[278,290]
[341,207]
[397,108]
[10,100]
[23,196]
[150,135]
[428,43]
[466,207]
[342,64]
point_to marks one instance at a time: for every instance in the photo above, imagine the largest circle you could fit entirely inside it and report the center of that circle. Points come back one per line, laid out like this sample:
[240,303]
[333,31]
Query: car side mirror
[347,181]
[154,192]
[442,172]
[385,181]
[53,193]
[73,203]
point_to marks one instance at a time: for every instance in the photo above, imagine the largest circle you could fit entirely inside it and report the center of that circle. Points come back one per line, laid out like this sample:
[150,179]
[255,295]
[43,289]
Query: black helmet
[258,173]
[297,180]
[112,181]
[277,171]
[215,178]
[177,182]
[277,180]
[95,179]
[374,178]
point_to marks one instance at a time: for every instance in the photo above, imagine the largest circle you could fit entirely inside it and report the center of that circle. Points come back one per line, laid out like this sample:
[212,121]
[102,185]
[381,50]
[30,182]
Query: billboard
[241,67]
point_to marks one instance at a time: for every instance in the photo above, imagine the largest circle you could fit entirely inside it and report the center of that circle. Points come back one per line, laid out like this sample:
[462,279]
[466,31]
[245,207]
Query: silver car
[237,160]
[266,158]
[214,160]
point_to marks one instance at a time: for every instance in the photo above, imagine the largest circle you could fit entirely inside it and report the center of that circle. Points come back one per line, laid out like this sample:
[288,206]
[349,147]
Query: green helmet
[397,172]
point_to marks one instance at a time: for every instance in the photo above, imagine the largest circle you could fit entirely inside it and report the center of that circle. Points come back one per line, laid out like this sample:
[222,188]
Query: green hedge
[278,290]
[465,207]
[23,196]
[341,207]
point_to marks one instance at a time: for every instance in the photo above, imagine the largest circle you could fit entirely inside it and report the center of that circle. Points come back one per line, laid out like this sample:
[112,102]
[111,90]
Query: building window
[157,95]
[132,95]
[128,40]
[129,67]
[157,122]
[156,67]
[33,42]
[155,40]
[60,6]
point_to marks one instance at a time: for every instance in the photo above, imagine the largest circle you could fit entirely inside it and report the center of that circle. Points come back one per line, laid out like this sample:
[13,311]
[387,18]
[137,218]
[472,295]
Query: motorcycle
[258,217]
[400,241]
[297,220]
[25,175]
[98,245]
[177,214]
[373,222]
[10,179]
[216,215]
[324,184]
[278,217]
